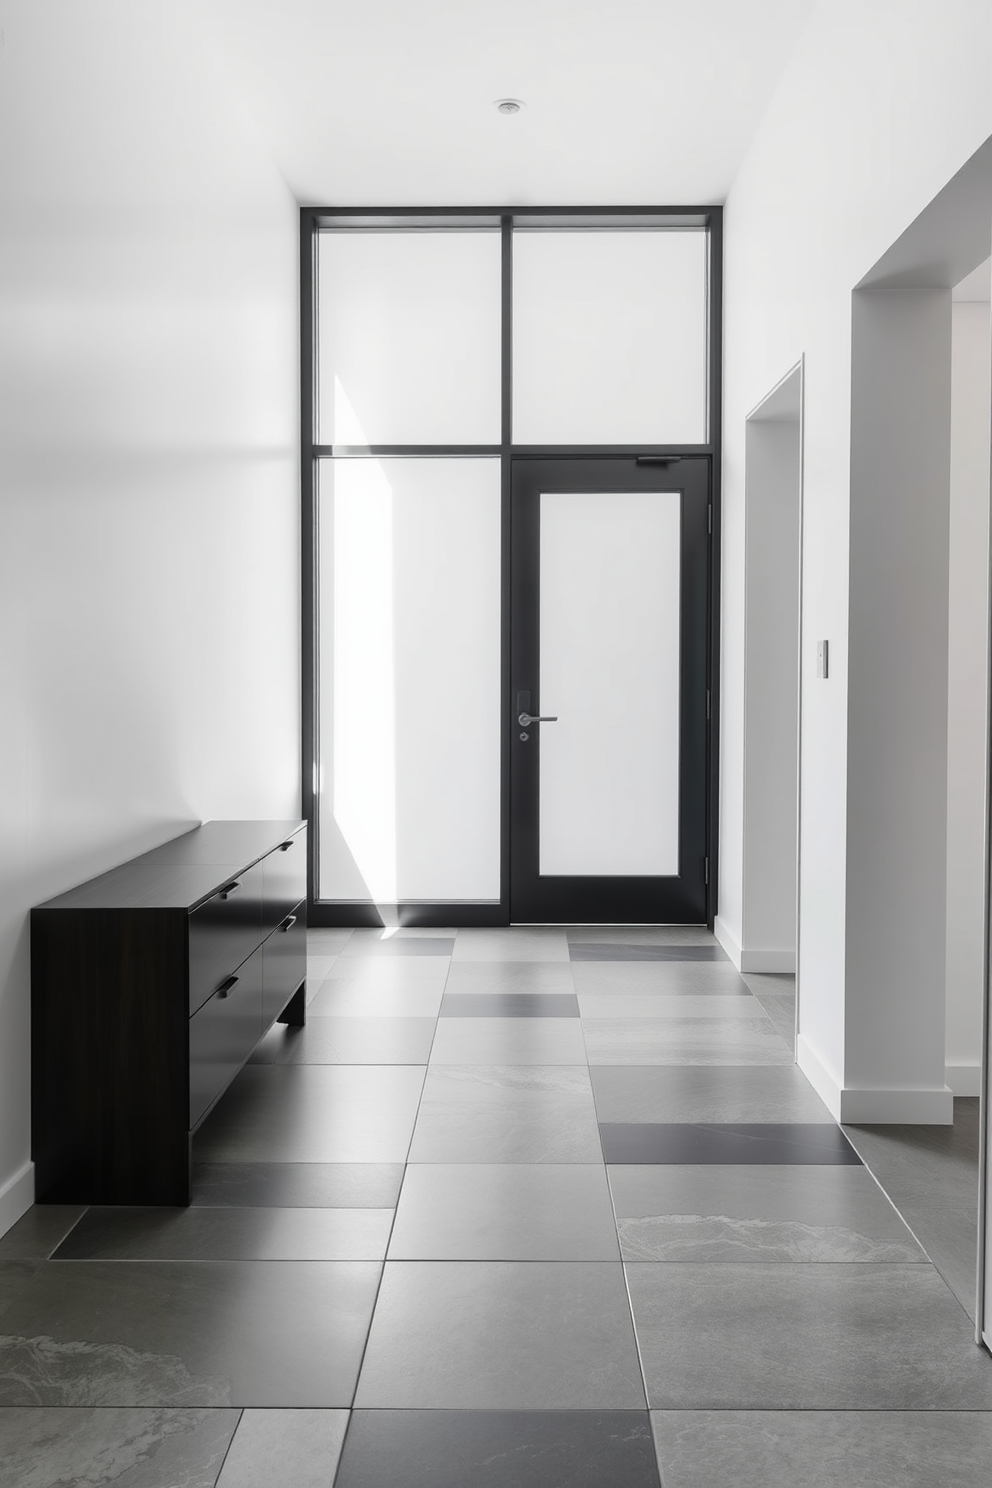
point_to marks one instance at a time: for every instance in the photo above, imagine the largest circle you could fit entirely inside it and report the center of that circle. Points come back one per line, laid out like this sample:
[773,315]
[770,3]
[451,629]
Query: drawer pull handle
[227,986]
[288,922]
[285,846]
[228,889]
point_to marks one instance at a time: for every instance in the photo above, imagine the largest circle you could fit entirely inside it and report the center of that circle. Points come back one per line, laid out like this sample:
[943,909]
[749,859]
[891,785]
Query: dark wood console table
[150,987]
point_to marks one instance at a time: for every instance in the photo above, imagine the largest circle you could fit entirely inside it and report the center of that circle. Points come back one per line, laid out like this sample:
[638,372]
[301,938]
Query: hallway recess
[518,1208]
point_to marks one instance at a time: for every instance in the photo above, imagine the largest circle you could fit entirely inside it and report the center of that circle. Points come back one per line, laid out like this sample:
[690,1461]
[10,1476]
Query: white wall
[880,106]
[149,548]
[967,691]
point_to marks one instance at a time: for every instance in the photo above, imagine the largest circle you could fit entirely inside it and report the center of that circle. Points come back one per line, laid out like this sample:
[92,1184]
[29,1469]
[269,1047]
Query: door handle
[227,986]
[288,922]
[526,719]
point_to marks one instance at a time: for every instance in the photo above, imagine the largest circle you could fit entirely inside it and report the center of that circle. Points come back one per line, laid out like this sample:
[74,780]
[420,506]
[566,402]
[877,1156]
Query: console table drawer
[285,962]
[223,931]
[223,1033]
[284,876]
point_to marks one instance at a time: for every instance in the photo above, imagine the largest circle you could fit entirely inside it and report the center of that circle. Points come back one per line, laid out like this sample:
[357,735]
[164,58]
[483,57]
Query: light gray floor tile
[37,1233]
[399,948]
[514,944]
[328,942]
[667,1005]
[700,978]
[782,1012]
[510,976]
[508,1041]
[684,1041]
[200,1333]
[499,1114]
[523,1212]
[769,1213]
[48,1447]
[771,984]
[701,1093]
[830,1337]
[228,1234]
[823,1449]
[298,1447]
[531,1334]
[397,972]
[329,1040]
[336,999]
[297,1185]
[641,934]
[314,1113]
[950,1238]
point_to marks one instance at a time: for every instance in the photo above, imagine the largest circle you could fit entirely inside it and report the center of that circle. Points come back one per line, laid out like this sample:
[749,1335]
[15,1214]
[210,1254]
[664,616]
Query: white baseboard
[822,1079]
[728,940]
[874,1107]
[964,1079]
[768,961]
[16,1197]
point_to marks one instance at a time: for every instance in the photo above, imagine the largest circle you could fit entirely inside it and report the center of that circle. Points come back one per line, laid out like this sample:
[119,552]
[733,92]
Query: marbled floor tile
[48,1447]
[120,1233]
[683,1041]
[37,1233]
[830,1337]
[512,1335]
[950,1238]
[823,1449]
[523,1212]
[493,1114]
[517,977]
[526,943]
[732,1008]
[300,1448]
[509,1005]
[590,950]
[14,1277]
[744,1143]
[757,1214]
[349,1041]
[498,1449]
[641,934]
[924,1160]
[296,1185]
[314,1113]
[701,978]
[198,1333]
[706,1093]
[508,1041]
[346,999]
[398,946]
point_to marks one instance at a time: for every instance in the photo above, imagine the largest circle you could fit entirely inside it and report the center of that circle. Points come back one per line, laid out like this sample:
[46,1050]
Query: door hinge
[706,871]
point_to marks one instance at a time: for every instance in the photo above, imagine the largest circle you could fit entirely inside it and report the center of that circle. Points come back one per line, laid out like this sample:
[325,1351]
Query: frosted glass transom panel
[409,648]
[408,338]
[610,577]
[609,337]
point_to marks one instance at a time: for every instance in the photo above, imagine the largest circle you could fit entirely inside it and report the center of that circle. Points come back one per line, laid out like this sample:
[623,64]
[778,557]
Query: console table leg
[295,1011]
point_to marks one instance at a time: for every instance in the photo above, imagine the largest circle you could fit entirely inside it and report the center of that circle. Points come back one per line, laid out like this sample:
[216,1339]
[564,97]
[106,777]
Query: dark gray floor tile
[524,1212]
[14,1277]
[511,1041]
[697,977]
[509,1005]
[641,934]
[119,1333]
[227,1234]
[823,1449]
[48,1447]
[706,1093]
[293,1447]
[534,1335]
[37,1233]
[498,1449]
[554,977]
[782,1012]
[669,1005]
[314,1113]
[757,1214]
[358,999]
[685,1041]
[809,1144]
[498,1114]
[586,950]
[349,1041]
[845,1337]
[426,945]
[297,1185]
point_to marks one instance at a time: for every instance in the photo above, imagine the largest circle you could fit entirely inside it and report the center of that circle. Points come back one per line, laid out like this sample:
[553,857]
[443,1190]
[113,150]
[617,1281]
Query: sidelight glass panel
[609,337]
[609,659]
[408,337]
[409,657]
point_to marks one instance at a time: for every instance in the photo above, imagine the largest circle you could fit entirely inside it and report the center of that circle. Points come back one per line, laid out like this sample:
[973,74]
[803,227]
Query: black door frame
[505,219]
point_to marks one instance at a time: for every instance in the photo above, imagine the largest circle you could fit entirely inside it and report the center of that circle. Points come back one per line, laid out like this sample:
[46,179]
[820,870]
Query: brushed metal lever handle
[526,719]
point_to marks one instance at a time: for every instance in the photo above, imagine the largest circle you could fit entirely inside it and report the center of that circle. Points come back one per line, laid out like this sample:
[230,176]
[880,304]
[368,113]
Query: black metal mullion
[506,506]
[308,547]
[715,432]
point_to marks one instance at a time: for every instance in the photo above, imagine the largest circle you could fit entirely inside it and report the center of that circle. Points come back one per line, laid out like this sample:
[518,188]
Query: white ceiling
[390,102]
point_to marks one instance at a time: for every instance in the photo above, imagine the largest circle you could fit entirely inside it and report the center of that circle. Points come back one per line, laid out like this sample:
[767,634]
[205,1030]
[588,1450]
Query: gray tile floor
[519,1209]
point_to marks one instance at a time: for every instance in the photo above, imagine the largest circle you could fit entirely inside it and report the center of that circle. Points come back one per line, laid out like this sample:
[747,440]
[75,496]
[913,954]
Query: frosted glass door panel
[609,337]
[409,642]
[408,338]
[609,649]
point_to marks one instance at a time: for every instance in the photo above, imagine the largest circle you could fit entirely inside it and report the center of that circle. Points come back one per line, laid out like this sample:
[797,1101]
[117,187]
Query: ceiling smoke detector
[508,105]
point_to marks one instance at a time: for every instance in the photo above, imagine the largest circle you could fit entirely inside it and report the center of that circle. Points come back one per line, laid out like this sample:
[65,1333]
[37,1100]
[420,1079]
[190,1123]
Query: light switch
[823,658]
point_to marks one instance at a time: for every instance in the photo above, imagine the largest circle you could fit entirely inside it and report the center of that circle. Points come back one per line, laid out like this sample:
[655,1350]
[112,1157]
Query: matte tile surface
[426,945]
[745,1143]
[532,1335]
[296,1185]
[228,1234]
[683,1041]
[528,944]
[349,1041]
[639,935]
[522,1212]
[48,1447]
[590,950]
[510,976]
[196,1333]
[698,977]
[757,1214]
[499,1449]
[701,1093]
[36,1234]
[830,1337]
[493,1114]
[339,998]
[669,1005]
[14,1277]
[509,1005]
[296,1447]
[508,1041]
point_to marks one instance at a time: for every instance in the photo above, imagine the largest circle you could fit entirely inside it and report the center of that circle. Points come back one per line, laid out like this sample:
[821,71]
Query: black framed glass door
[609,689]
